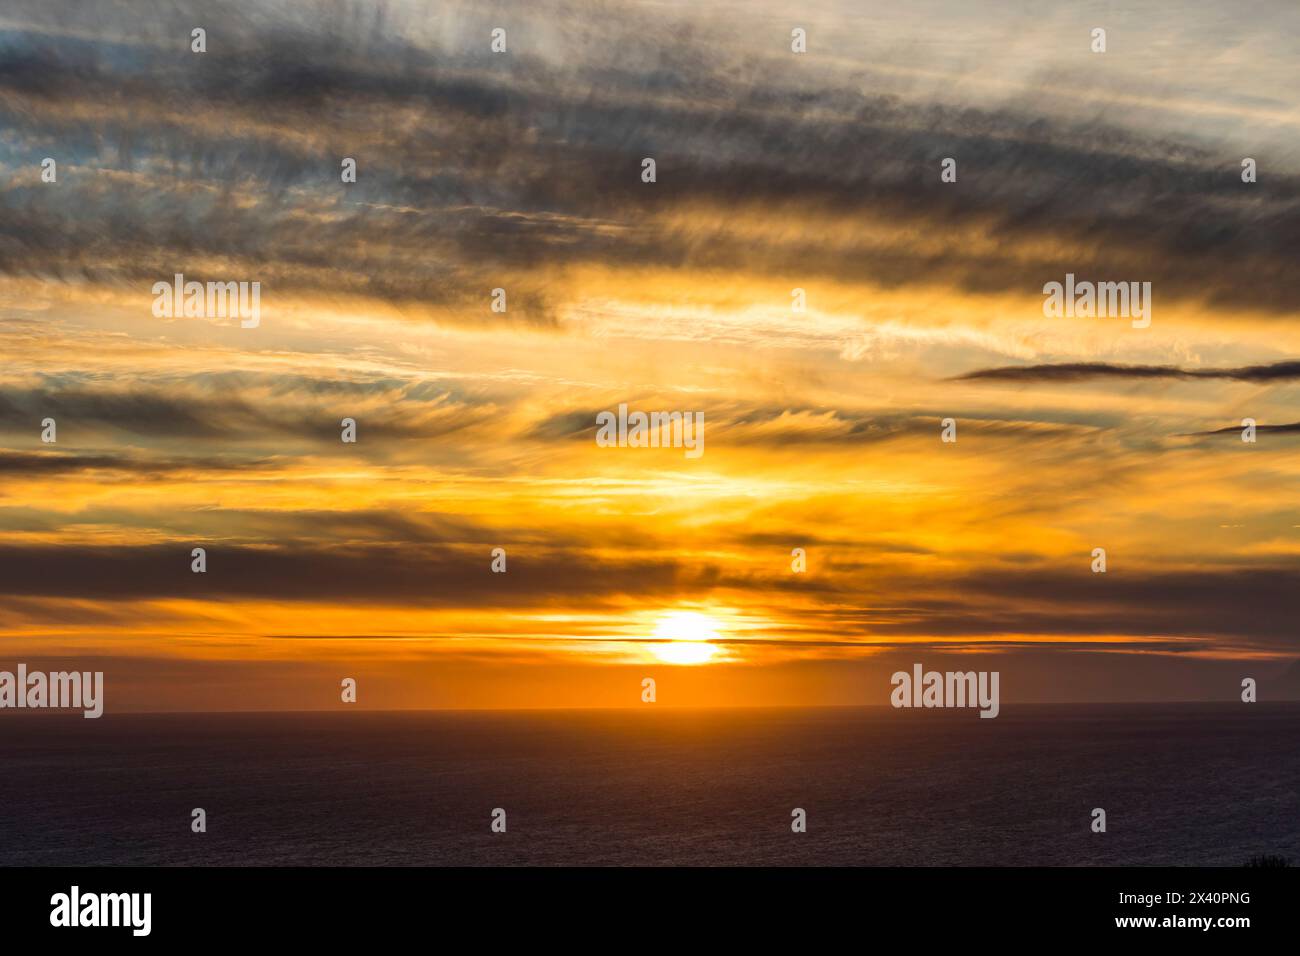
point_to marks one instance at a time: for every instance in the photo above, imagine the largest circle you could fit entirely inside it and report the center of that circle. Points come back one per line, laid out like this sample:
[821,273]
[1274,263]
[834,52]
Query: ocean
[1191,784]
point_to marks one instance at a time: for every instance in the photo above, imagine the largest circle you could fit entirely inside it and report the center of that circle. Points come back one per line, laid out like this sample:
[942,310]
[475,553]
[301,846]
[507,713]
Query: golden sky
[476,429]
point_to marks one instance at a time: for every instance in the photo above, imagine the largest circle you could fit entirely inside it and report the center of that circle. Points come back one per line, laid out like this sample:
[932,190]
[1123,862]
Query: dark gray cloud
[1086,371]
[240,407]
[528,164]
[207,410]
[1290,428]
[417,576]
[1248,605]
[17,463]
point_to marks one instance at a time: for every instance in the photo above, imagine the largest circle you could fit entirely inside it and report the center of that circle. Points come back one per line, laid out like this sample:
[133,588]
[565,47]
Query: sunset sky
[476,430]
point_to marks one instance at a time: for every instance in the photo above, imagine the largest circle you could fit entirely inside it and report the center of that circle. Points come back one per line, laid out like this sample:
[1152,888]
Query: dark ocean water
[1181,785]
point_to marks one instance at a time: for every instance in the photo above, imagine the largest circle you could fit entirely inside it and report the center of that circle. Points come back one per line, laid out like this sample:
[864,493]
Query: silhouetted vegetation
[1268,860]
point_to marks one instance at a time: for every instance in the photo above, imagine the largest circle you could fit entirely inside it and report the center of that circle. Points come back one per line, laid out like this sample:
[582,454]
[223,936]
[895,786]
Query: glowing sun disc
[685,638]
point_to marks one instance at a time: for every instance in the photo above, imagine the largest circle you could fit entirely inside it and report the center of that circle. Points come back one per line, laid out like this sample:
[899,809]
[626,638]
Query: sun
[686,638]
